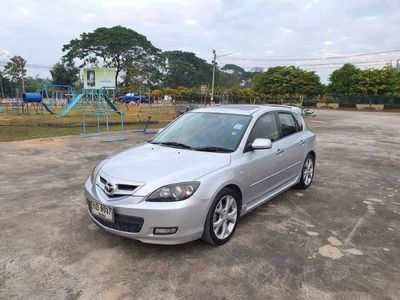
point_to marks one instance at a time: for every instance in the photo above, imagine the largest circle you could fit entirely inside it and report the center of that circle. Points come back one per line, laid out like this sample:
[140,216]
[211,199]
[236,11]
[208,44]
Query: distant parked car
[201,173]
[133,97]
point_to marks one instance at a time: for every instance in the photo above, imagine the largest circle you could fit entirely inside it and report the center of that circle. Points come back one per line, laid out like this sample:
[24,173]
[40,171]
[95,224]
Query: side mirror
[160,129]
[260,144]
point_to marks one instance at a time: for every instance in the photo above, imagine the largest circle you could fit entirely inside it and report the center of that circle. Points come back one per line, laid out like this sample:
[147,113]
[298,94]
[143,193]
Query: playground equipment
[102,114]
[98,92]
[14,105]
[144,124]
[99,98]
[57,94]
[35,101]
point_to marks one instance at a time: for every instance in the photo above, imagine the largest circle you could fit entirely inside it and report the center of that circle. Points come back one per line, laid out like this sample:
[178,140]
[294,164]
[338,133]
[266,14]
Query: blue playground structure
[97,97]
[34,100]
[61,95]
[57,94]
[105,116]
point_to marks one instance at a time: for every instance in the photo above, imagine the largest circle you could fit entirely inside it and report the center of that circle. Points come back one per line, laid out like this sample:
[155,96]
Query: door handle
[279,151]
[302,142]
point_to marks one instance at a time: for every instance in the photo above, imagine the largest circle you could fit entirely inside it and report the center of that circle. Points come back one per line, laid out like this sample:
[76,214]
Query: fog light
[165,230]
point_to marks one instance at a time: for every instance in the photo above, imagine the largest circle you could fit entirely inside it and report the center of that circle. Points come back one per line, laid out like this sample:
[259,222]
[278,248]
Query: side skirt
[287,185]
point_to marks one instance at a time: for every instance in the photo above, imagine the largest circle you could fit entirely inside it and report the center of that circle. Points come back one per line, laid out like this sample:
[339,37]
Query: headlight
[174,192]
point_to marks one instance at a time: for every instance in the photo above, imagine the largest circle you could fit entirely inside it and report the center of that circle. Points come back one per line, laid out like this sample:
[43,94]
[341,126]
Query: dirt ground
[340,239]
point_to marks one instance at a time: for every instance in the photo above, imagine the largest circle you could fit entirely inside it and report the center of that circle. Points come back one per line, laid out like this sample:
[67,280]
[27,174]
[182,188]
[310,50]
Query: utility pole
[213,74]
[1,85]
[2,52]
[214,67]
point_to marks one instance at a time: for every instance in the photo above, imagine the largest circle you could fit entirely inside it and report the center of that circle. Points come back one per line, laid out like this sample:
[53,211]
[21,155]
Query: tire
[306,180]
[219,211]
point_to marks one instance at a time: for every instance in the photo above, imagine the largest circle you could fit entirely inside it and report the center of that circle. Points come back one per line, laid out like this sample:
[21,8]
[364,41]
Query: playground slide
[71,105]
[47,108]
[111,104]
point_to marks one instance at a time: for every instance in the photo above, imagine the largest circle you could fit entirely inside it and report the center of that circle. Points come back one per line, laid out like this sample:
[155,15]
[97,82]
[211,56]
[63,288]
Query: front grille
[120,187]
[126,187]
[123,223]
[116,195]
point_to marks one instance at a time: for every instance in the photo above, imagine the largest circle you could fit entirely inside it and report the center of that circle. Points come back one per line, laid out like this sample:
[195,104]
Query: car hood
[153,166]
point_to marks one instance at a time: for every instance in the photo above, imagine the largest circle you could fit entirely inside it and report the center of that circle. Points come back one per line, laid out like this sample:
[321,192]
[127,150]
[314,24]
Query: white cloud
[286,30]
[257,28]
[190,22]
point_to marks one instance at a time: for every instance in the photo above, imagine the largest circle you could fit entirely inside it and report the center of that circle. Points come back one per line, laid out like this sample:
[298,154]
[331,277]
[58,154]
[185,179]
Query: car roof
[244,109]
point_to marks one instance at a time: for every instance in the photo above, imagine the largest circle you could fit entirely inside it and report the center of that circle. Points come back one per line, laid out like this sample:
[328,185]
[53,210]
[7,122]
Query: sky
[252,30]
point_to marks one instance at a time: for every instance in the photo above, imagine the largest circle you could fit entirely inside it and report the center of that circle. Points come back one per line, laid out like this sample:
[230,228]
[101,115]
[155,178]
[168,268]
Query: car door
[292,145]
[261,168]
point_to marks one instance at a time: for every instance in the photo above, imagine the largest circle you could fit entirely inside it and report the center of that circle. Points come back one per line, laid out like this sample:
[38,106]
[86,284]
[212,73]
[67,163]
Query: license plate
[102,211]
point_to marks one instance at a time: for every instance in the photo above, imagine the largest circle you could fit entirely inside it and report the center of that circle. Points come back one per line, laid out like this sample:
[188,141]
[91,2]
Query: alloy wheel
[225,217]
[308,171]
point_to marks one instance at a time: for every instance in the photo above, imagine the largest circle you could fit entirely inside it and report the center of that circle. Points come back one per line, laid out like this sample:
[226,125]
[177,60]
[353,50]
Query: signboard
[98,78]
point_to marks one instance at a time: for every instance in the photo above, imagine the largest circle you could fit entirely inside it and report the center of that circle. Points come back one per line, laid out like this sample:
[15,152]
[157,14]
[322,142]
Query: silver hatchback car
[196,177]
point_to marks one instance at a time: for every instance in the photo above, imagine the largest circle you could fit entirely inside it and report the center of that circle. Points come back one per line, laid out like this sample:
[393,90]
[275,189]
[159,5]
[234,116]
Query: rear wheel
[222,218]
[307,173]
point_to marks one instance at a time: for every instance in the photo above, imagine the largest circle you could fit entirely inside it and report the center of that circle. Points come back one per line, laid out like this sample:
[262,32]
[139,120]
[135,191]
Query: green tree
[185,69]
[378,82]
[15,70]
[2,81]
[234,75]
[64,73]
[138,72]
[343,81]
[34,84]
[285,83]
[118,47]
[231,68]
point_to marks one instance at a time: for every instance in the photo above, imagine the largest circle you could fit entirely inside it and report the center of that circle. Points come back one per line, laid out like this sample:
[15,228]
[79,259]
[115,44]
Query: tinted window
[265,128]
[288,125]
[299,121]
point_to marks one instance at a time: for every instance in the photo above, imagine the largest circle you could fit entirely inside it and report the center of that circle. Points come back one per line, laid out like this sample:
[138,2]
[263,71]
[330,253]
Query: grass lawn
[41,125]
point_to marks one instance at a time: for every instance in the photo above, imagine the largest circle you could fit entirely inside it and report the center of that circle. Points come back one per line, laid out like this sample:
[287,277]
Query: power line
[30,65]
[329,67]
[340,63]
[313,58]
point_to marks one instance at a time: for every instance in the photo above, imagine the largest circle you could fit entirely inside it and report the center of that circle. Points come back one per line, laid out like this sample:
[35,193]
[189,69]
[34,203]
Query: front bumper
[188,215]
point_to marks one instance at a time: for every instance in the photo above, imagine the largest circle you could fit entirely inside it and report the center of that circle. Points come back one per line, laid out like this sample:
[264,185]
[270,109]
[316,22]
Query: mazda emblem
[110,188]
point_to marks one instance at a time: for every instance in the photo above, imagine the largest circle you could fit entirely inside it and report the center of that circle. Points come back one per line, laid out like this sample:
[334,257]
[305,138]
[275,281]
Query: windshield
[205,132]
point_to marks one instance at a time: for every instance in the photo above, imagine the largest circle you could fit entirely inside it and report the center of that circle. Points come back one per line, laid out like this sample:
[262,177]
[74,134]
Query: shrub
[347,105]
[392,106]
[309,103]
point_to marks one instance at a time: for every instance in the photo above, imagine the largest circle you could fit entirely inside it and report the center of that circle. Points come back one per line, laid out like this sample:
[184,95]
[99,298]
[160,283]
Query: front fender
[217,180]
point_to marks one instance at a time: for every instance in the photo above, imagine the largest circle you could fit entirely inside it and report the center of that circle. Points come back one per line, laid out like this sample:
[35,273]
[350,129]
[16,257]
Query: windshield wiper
[213,149]
[173,144]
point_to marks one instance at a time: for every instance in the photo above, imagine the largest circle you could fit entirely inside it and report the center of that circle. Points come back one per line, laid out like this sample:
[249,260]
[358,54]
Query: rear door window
[287,123]
[299,121]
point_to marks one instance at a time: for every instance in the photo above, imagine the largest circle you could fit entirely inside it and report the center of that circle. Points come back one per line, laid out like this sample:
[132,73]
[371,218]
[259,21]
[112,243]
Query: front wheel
[307,173]
[222,218]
